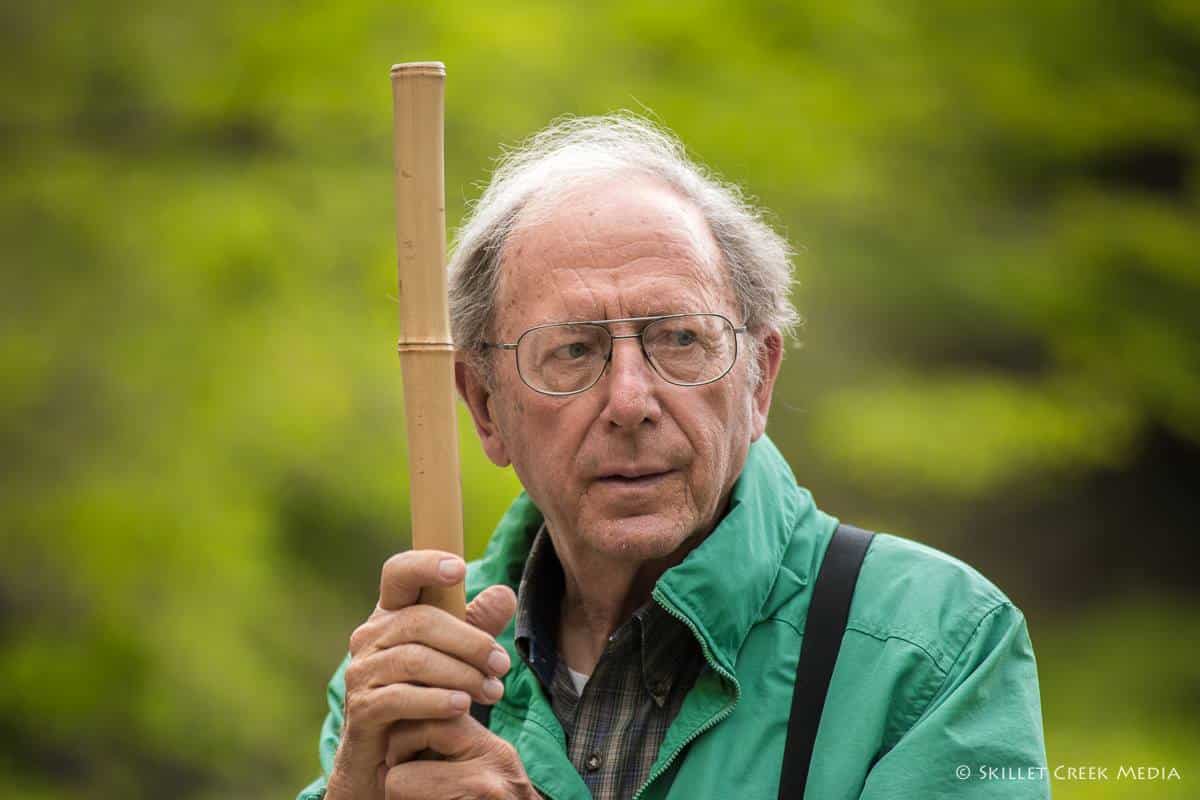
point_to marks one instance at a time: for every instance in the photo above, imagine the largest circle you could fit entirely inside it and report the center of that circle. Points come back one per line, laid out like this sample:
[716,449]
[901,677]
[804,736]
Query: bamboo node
[423,345]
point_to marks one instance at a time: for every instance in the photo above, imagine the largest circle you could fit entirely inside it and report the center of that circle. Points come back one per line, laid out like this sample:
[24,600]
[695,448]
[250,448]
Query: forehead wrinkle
[585,288]
[579,254]
[675,292]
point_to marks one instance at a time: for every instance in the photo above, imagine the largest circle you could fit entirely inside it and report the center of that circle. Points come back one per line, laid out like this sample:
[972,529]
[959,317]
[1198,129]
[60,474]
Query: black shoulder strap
[827,613]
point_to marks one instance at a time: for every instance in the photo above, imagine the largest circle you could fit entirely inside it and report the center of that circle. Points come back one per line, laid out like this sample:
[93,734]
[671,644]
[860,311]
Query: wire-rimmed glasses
[565,358]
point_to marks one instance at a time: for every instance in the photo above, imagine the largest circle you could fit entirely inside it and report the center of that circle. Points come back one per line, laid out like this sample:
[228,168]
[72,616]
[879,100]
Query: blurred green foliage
[201,429]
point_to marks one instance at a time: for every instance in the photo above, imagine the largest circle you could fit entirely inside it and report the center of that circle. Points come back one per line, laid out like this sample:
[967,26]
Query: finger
[424,779]
[435,628]
[416,663]
[379,708]
[492,608]
[456,738]
[405,574]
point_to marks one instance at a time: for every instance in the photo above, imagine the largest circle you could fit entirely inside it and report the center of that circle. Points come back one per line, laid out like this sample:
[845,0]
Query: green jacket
[936,674]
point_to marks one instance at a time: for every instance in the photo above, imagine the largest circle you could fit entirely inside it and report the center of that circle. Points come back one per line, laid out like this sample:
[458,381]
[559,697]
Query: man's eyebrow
[633,314]
[660,310]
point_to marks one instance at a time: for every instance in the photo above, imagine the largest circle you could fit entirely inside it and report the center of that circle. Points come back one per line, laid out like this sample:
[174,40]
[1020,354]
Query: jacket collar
[722,585]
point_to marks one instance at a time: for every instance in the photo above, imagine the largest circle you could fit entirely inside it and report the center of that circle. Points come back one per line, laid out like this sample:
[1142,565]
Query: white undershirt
[579,679]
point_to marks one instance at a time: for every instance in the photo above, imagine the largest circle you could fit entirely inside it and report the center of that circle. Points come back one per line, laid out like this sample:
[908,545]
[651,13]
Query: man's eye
[682,338]
[572,351]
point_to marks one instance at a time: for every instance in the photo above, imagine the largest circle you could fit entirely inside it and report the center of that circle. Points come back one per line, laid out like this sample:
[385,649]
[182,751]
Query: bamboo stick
[425,347]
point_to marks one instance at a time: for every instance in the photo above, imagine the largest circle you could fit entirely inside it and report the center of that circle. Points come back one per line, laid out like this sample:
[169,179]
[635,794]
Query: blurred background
[202,459]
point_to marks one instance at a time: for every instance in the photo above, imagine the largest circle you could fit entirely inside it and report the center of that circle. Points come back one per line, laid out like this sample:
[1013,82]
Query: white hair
[574,150]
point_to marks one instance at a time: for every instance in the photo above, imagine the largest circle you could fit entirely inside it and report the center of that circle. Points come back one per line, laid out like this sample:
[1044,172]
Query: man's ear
[474,392]
[770,357]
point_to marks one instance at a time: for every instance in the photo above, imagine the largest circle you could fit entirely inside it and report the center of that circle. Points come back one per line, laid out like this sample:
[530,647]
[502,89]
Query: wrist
[338,788]
[346,779]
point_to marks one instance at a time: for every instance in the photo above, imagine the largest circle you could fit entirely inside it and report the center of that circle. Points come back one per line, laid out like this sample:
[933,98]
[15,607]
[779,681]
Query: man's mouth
[634,480]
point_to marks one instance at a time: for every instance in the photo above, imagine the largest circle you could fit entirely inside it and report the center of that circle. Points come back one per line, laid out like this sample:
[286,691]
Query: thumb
[492,608]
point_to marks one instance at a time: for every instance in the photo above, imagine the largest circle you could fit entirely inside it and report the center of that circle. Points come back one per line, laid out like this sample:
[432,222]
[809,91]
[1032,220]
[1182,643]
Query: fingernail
[460,701]
[498,662]
[450,568]
[493,688]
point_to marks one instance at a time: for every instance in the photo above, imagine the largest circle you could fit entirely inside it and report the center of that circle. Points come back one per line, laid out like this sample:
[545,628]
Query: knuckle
[395,567]
[354,675]
[360,636]
[413,660]
[358,706]
[395,562]
[489,786]
[504,750]
[403,564]
[406,625]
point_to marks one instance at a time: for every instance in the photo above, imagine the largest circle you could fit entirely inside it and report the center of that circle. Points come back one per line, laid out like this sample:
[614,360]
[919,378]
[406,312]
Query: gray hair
[573,150]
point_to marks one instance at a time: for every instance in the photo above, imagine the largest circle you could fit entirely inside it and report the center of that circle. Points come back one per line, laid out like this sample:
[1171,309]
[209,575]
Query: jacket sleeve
[980,735]
[331,733]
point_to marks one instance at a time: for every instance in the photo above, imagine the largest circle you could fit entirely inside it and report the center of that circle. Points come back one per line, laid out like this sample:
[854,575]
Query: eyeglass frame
[611,346]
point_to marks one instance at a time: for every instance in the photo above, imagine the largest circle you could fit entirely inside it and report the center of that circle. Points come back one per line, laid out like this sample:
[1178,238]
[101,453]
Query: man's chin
[638,537]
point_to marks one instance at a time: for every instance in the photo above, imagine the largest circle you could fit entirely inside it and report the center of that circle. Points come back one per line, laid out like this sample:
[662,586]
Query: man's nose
[631,384]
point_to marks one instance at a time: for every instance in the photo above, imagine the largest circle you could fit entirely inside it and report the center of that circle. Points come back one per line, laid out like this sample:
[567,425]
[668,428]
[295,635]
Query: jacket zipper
[713,720]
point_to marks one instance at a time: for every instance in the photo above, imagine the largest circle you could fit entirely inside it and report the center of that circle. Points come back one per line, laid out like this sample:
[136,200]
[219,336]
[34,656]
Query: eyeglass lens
[570,357]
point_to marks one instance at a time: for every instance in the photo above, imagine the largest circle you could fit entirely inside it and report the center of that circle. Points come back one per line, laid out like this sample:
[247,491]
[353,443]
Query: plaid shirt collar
[539,605]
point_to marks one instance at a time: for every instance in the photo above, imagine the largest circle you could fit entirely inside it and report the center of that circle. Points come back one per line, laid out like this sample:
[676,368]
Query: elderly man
[620,317]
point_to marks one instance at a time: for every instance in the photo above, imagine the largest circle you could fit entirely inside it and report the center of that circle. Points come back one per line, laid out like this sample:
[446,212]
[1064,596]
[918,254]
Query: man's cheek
[588,465]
